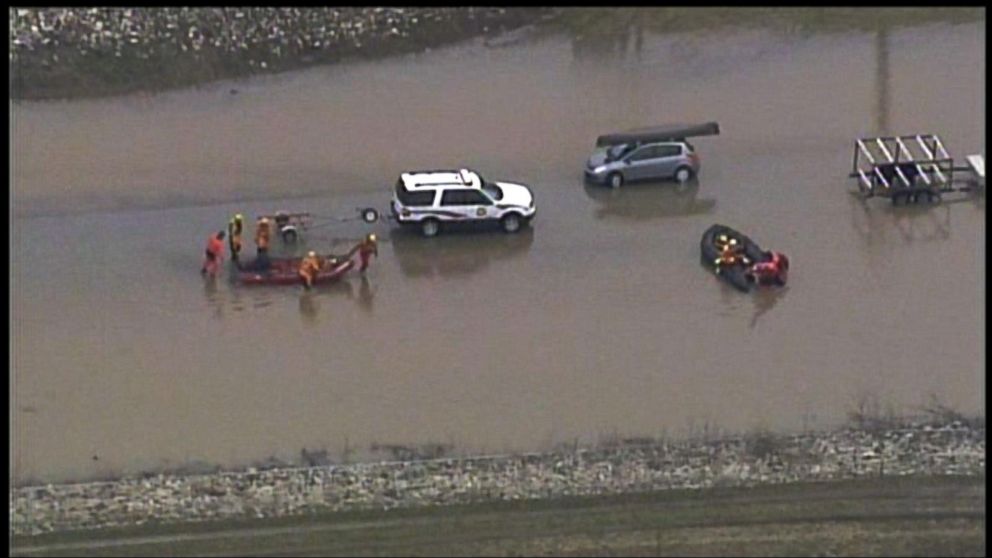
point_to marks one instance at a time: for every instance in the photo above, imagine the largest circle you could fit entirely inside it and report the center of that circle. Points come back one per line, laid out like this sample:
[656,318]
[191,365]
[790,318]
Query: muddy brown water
[598,321]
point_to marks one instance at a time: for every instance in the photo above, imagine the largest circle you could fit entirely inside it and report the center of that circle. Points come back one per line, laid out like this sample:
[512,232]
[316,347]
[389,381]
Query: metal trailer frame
[886,166]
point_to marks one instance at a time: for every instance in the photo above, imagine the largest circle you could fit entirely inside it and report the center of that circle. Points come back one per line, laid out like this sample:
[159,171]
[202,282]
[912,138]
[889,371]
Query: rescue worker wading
[262,235]
[214,254]
[368,248]
[309,268]
[235,227]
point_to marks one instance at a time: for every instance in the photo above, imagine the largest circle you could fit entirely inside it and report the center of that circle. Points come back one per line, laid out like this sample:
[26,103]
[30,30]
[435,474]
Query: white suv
[429,198]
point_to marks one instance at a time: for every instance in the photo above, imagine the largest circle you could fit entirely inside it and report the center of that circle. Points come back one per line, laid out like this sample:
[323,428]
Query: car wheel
[683,174]
[430,227]
[615,180]
[289,236]
[511,222]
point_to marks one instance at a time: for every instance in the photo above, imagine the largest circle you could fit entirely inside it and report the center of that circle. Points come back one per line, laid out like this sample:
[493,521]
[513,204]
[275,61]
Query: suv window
[464,197]
[493,190]
[413,199]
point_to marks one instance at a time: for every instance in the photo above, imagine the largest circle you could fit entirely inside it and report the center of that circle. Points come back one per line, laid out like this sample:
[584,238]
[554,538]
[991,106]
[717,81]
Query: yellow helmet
[239,217]
[264,220]
[312,254]
[372,237]
[733,241]
[722,237]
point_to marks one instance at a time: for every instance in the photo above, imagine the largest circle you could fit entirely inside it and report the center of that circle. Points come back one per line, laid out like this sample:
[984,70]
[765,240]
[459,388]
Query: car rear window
[414,199]
[667,150]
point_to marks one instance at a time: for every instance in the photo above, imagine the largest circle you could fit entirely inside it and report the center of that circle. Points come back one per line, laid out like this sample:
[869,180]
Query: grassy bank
[884,517]
[74,52]
[60,53]
[605,21]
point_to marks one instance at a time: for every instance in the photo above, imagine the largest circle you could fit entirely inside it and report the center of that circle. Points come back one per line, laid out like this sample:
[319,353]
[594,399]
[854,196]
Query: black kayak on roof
[667,132]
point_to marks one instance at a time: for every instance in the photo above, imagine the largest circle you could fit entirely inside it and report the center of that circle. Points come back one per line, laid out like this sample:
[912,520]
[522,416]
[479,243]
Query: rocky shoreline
[81,52]
[919,447]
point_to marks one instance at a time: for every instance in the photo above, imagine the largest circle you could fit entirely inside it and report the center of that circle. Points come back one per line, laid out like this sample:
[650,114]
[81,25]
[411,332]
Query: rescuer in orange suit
[214,254]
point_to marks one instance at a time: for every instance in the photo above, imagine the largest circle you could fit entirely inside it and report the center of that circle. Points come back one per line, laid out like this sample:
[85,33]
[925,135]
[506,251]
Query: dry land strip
[930,473]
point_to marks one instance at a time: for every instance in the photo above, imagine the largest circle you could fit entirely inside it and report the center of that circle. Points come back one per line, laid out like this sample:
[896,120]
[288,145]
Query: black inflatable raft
[738,274]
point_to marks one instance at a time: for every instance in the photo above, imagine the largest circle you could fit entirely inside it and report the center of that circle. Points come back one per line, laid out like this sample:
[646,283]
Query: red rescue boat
[286,271]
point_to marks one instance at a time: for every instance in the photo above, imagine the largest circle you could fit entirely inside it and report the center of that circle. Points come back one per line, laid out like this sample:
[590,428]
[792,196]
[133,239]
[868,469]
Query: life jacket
[309,266]
[215,246]
[729,254]
[262,236]
[234,235]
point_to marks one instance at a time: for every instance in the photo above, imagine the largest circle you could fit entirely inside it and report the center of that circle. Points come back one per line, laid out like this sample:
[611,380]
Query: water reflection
[310,304]
[877,222]
[309,307]
[607,34]
[882,82]
[649,200]
[764,300]
[457,254]
[365,294]
[214,300]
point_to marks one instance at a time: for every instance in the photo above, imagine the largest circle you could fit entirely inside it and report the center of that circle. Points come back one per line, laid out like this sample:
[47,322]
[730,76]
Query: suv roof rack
[442,177]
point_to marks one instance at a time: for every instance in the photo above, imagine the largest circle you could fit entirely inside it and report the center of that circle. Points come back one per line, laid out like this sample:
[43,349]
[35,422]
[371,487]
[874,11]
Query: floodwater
[599,321]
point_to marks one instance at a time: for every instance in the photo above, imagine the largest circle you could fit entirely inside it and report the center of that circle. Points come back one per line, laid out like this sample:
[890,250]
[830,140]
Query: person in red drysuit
[773,270]
[368,248]
[214,254]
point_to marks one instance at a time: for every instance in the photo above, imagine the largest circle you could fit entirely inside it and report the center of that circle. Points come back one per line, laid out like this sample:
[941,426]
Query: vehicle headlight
[599,169]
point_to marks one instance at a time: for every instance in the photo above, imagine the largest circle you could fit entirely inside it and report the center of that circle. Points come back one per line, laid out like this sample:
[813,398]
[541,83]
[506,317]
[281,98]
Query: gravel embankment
[73,52]
[951,448]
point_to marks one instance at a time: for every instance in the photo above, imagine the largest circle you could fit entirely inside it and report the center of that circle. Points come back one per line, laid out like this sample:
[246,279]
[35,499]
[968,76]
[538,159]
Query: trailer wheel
[289,236]
[370,215]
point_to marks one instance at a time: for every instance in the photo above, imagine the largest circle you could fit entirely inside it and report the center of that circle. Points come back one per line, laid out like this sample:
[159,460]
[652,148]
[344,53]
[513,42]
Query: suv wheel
[615,180]
[511,222]
[683,174]
[430,227]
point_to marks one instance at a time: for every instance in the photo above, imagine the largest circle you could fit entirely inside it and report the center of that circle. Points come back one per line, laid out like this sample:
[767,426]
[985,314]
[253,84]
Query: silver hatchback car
[646,154]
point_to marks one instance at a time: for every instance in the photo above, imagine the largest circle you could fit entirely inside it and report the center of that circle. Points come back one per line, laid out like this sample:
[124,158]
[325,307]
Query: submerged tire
[511,223]
[683,174]
[615,180]
[430,227]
